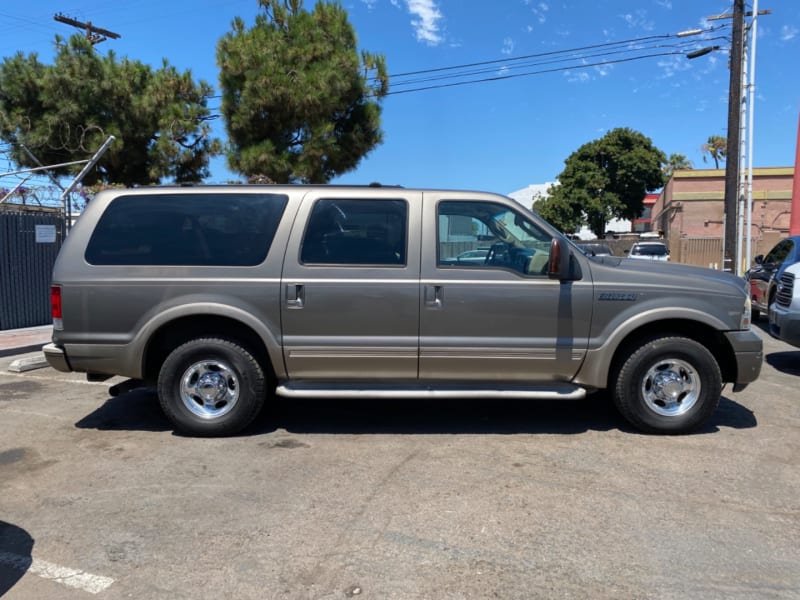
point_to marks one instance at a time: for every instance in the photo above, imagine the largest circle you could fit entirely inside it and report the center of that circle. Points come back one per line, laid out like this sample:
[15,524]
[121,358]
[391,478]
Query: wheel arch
[606,361]
[173,333]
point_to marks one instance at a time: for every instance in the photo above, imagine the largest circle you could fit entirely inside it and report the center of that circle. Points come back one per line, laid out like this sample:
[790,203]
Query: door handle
[295,295]
[434,296]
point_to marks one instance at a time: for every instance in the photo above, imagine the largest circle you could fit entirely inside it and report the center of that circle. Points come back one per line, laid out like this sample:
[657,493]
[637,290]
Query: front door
[488,310]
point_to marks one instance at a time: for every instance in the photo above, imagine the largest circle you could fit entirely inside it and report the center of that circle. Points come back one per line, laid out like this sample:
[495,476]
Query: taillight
[55,306]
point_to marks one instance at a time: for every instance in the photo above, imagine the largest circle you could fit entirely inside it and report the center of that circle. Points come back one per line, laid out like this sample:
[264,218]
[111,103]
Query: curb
[29,363]
[21,349]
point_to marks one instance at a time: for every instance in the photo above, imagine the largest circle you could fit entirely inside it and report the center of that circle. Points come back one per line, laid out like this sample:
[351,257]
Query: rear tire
[211,387]
[668,385]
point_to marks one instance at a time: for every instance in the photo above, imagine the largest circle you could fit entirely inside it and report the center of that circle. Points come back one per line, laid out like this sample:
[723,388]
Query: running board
[305,389]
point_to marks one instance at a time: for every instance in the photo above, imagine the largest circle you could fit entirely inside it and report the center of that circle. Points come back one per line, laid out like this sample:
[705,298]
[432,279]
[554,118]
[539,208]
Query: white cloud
[788,32]
[603,70]
[665,3]
[370,3]
[638,19]
[577,77]
[426,18]
[672,65]
[508,46]
[539,10]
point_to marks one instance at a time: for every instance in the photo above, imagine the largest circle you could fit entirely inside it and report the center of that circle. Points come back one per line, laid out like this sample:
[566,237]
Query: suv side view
[223,296]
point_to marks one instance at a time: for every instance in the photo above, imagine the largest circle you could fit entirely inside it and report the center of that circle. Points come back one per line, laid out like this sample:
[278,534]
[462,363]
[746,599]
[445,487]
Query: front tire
[211,387]
[668,385]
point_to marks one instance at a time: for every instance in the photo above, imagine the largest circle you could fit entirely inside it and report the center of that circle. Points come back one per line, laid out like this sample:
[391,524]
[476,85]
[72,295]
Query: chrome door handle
[295,295]
[434,296]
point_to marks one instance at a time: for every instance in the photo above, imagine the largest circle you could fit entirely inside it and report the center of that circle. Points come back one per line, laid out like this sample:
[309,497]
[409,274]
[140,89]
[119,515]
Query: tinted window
[490,235]
[649,250]
[356,232]
[186,229]
[779,253]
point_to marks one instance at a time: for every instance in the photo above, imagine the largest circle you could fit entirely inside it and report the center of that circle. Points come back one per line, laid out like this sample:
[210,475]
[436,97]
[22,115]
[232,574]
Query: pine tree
[64,112]
[300,104]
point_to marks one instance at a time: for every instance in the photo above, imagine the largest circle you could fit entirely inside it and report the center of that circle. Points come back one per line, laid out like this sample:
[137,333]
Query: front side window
[356,232]
[490,235]
[203,229]
[779,253]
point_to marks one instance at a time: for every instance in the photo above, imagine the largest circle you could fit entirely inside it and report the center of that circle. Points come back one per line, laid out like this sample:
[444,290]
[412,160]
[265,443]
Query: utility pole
[734,124]
[95,35]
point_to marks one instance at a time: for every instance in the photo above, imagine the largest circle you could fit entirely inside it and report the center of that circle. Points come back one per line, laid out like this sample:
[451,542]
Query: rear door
[350,286]
[502,319]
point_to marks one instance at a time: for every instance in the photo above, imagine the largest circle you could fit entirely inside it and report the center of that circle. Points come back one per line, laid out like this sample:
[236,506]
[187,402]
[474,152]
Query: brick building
[690,212]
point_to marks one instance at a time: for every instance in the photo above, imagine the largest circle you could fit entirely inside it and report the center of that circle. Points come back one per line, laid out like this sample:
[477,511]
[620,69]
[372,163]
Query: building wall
[691,207]
[692,203]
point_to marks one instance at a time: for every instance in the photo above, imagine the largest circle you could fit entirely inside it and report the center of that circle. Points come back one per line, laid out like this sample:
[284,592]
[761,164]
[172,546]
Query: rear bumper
[56,357]
[748,348]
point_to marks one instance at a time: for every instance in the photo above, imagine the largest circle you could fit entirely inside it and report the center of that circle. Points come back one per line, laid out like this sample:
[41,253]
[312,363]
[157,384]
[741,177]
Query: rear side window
[187,229]
[356,232]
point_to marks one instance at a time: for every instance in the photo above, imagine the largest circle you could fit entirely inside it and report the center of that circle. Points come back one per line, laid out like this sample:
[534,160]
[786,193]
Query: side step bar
[305,389]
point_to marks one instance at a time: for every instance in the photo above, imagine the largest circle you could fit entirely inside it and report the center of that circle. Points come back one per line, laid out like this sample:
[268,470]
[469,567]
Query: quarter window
[186,229]
[356,232]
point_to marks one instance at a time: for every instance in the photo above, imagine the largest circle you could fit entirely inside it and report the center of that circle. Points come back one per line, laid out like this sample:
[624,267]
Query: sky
[498,135]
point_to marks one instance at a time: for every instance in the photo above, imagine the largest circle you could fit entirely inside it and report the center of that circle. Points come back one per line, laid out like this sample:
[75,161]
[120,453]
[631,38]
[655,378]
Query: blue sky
[498,135]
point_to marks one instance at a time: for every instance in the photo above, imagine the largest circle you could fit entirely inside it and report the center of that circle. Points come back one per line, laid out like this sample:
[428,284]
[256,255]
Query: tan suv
[224,296]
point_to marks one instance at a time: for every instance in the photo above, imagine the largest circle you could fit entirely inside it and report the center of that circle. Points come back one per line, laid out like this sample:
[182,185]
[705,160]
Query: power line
[539,72]
[644,40]
[680,48]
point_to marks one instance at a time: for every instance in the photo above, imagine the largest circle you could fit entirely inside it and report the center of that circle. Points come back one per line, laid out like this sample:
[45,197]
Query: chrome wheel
[209,389]
[671,387]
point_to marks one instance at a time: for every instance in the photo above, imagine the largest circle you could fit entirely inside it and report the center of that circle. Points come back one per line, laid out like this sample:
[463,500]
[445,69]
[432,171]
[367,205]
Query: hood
[653,272]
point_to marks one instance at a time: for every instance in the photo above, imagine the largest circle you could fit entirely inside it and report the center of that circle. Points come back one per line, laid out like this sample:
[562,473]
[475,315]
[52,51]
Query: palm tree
[715,147]
[676,162]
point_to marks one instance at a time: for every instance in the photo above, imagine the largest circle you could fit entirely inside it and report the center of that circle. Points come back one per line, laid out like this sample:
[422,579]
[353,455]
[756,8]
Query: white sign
[45,234]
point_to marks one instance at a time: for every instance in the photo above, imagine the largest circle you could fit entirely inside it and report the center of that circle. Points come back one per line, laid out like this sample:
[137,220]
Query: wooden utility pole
[94,34]
[734,124]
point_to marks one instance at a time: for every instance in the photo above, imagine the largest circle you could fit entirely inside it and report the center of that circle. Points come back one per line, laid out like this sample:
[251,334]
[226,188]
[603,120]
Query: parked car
[221,297]
[649,251]
[784,312]
[767,270]
[595,248]
[471,257]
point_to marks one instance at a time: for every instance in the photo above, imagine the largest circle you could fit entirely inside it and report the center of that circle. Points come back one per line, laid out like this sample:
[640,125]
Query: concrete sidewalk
[22,341]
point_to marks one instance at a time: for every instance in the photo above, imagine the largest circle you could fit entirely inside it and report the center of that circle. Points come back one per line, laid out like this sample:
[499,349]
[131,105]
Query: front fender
[603,347]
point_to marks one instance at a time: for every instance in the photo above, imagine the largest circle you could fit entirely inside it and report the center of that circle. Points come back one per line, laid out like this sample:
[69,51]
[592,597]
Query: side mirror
[558,267]
[759,259]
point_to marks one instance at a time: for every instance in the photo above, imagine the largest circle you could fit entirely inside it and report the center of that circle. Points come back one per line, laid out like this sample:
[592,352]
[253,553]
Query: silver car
[222,297]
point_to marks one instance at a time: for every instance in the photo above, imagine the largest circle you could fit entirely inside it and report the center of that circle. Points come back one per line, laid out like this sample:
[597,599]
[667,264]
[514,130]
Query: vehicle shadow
[138,410]
[16,548]
[785,362]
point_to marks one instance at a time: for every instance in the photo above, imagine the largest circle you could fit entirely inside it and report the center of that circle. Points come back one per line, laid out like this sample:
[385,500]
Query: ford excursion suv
[222,297]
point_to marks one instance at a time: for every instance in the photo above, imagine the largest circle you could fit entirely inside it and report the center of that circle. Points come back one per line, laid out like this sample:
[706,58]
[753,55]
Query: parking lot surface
[406,500]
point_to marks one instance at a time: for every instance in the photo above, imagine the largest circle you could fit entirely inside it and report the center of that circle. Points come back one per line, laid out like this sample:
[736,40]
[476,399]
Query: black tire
[668,385]
[755,315]
[211,387]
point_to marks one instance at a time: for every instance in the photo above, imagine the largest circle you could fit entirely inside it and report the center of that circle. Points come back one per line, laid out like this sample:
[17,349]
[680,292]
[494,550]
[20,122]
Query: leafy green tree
[64,112]
[716,147]
[676,162]
[606,179]
[556,209]
[300,104]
